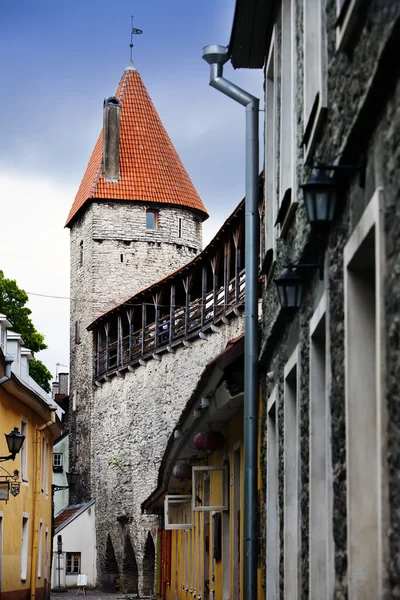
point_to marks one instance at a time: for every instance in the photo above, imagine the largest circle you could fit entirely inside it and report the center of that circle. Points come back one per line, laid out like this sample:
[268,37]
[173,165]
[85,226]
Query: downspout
[217,56]
[7,371]
[36,498]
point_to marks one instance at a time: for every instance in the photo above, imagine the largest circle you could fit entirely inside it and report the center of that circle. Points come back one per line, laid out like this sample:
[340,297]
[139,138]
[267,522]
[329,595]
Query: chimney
[63,383]
[111,135]
[54,389]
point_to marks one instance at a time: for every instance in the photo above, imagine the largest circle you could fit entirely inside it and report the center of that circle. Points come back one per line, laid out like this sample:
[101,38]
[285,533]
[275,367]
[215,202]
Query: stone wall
[113,256]
[362,117]
[133,418]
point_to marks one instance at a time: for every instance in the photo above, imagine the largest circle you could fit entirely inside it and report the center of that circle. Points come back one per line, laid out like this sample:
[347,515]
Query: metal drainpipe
[7,371]
[217,56]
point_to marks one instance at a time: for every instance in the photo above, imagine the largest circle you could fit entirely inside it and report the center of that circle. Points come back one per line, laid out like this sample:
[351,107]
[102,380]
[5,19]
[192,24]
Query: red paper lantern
[182,471]
[209,441]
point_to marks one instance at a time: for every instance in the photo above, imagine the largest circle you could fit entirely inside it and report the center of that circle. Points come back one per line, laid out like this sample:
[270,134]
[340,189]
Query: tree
[12,304]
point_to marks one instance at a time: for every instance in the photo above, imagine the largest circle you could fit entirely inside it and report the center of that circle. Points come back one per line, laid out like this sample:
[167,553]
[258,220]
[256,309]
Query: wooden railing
[182,323]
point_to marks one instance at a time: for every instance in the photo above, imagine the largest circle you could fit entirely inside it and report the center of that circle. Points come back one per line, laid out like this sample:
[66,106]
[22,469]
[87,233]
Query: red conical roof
[150,168]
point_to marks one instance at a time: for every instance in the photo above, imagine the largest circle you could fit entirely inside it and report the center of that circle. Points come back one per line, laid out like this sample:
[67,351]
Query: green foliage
[40,373]
[12,304]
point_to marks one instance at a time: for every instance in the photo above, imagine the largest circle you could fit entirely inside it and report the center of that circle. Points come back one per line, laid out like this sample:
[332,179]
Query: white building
[76,526]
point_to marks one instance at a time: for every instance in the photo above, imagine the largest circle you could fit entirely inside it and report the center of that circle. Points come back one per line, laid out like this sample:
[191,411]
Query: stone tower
[136,217]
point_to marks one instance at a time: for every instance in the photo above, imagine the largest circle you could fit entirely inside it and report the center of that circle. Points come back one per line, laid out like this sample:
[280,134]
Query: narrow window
[81,253]
[39,568]
[151,219]
[24,546]
[46,467]
[46,552]
[320,521]
[73,563]
[74,400]
[287,141]
[121,258]
[24,450]
[315,75]
[179,227]
[77,332]
[271,193]
[1,545]
[197,228]
[347,14]
[291,478]
[236,522]
[272,499]
[365,399]
[42,473]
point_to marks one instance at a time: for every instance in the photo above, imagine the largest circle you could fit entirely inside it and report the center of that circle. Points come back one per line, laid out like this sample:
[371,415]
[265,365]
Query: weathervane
[134,31]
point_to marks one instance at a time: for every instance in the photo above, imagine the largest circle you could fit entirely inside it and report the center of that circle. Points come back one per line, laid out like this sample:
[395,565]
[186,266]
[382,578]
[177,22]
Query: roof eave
[251,32]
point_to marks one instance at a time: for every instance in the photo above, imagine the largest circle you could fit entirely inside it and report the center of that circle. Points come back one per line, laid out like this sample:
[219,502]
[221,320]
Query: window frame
[23,454]
[68,555]
[315,70]
[346,13]
[181,499]
[154,212]
[24,546]
[225,491]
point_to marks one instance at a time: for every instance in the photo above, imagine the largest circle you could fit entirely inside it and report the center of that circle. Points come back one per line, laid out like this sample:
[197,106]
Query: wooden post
[157,300]
[227,258]
[107,330]
[119,341]
[187,285]
[129,314]
[143,328]
[203,295]
[98,351]
[236,239]
[214,266]
[172,314]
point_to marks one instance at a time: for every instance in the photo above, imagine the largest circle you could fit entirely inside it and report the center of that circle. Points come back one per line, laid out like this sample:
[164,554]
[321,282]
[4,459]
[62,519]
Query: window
[74,400]
[315,73]
[347,12]
[43,469]
[57,462]
[320,508]
[365,401]
[24,450]
[151,219]
[180,227]
[197,228]
[272,498]
[291,494]
[73,563]
[81,253]
[178,512]
[77,332]
[46,467]
[218,478]
[287,125]
[39,563]
[271,195]
[46,552]
[24,546]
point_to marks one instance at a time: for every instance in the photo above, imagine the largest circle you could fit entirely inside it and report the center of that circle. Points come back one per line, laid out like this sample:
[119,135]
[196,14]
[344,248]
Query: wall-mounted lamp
[15,439]
[290,287]
[204,402]
[72,479]
[320,196]
[178,433]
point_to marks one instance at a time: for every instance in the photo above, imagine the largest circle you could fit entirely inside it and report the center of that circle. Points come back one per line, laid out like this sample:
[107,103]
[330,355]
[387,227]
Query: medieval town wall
[133,418]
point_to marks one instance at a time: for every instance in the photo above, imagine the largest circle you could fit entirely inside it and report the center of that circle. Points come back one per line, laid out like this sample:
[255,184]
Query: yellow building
[200,493]
[26,496]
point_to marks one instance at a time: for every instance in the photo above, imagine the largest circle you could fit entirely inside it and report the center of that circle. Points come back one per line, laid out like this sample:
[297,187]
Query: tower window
[77,332]
[81,253]
[197,228]
[180,227]
[151,219]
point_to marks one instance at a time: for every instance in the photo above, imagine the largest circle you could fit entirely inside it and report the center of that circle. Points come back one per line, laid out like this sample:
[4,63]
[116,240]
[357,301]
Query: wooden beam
[172,314]
[203,295]
[143,328]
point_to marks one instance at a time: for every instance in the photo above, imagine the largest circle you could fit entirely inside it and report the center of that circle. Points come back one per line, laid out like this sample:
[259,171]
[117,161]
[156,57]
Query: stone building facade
[127,234]
[330,370]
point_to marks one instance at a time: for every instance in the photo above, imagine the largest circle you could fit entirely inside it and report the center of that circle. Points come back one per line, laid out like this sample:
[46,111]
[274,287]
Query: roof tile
[150,167]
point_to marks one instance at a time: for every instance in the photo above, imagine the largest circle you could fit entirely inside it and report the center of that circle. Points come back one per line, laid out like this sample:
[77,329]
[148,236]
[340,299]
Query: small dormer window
[151,219]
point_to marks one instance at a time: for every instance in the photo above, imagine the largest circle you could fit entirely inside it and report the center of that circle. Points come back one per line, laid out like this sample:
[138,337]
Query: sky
[58,62]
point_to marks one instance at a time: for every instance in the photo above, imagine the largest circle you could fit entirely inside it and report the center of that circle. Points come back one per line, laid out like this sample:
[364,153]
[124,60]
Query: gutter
[216,57]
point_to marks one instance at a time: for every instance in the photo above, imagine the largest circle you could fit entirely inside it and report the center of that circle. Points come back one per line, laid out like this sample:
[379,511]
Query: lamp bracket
[361,167]
[9,457]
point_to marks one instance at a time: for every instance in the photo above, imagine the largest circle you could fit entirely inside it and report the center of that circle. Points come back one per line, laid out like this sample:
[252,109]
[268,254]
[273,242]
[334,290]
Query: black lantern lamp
[72,477]
[320,200]
[290,290]
[15,439]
